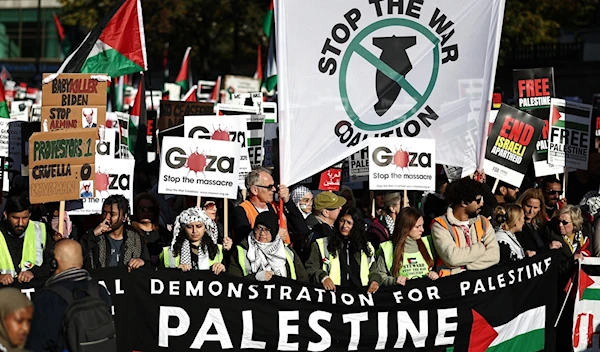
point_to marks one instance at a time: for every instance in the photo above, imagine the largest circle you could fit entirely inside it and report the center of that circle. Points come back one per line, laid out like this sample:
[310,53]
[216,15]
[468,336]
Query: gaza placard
[231,128]
[62,165]
[199,167]
[402,163]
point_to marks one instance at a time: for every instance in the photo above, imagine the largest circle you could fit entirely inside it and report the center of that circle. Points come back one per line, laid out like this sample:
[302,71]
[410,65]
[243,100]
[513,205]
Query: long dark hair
[206,243]
[405,221]
[357,236]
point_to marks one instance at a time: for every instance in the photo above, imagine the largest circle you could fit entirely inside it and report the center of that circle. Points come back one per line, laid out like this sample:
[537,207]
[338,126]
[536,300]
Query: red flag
[259,73]
[59,28]
[330,180]
[191,95]
[482,334]
[214,96]
[184,72]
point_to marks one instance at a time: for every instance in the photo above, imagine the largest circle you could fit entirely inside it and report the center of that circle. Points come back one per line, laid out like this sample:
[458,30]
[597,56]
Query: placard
[55,118]
[533,87]
[331,180]
[113,176]
[239,84]
[199,167]
[359,163]
[402,163]
[569,138]
[233,109]
[254,99]
[269,109]
[172,112]
[68,89]
[62,165]
[511,144]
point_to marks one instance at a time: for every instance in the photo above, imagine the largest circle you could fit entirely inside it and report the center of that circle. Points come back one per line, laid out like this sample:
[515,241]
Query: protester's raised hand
[25,276]
[185,267]
[102,228]
[401,280]
[373,287]
[6,279]
[284,235]
[284,193]
[227,243]
[433,275]
[328,284]
[555,245]
[218,268]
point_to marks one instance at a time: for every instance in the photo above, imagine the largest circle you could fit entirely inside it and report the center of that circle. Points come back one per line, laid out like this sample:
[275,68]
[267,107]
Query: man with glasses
[552,189]
[464,240]
[261,187]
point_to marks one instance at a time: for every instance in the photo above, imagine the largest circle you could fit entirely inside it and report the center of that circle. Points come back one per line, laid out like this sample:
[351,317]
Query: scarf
[267,256]
[389,224]
[11,299]
[578,241]
[73,274]
[510,240]
[195,214]
[297,195]
[68,225]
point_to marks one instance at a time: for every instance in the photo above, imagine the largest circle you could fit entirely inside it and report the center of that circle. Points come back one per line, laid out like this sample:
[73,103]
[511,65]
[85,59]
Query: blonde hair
[507,215]
[535,193]
[575,214]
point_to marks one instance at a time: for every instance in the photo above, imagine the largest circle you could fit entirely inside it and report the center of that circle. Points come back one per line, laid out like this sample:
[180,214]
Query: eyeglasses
[262,229]
[551,191]
[564,222]
[269,187]
[210,206]
[145,209]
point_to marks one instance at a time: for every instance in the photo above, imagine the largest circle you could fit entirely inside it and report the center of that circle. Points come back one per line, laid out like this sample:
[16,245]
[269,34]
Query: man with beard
[24,244]
[552,189]
[112,242]
[506,193]
[464,240]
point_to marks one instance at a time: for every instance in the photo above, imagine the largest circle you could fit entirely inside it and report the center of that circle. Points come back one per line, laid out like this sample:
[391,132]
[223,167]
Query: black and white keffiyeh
[268,256]
[195,214]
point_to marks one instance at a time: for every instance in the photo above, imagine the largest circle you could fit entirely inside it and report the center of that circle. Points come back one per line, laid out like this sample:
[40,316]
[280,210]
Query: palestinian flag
[191,95]
[259,71]
[184,77]
[4,112]
[138,113]
[586,317]
[271,71]
[116,46]
[570,117]
[215,95]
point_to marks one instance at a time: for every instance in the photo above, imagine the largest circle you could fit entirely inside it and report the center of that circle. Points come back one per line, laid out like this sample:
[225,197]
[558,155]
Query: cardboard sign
[533,87]
[254,99]
[55,118]
[402,163]
[69,89]
[222,128]
[172,112]
[113,176]
[62,165]
[570,136]
[359,163]
[239,84]
[331,180]
[199,167]
[511,144]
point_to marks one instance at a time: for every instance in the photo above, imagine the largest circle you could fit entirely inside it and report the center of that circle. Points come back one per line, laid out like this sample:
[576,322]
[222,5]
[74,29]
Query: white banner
[113,176]
[402,163]
[569,137]
[381,69]
[199,167]
[222,128]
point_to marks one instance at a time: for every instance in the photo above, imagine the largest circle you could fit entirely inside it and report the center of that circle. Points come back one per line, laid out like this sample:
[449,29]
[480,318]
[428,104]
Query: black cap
[270,221]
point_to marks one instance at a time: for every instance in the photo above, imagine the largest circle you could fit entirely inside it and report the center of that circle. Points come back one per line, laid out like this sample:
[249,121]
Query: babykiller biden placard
[511,145]
[402,163]
[61,165]
[199,167]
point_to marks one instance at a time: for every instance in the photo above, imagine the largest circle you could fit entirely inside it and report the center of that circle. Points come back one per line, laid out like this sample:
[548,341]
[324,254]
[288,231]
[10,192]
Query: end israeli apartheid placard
[231,128]
[402,163]
[199,167]
[62,165]
[569,138]
[511,144]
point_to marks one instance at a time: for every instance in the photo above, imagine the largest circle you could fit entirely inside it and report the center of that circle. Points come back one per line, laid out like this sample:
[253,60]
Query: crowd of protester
[324,238]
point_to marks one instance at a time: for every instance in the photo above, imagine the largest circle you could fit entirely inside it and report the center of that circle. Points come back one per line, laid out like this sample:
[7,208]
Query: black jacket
[46,332]
[91,258]
[532,239]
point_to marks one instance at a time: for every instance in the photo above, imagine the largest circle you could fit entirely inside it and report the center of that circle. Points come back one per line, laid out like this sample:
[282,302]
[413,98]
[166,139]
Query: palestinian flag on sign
[586,316]
[116,46]
[4,112]
[184,77]
[570,117]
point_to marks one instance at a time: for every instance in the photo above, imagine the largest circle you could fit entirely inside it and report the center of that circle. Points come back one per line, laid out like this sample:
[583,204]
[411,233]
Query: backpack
[87,325]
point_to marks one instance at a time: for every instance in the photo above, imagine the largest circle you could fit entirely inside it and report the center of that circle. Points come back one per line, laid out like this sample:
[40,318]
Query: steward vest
[331,264]
[481,225]
[252,213]
[173,262]
[33,249]
[245,263]
[414,265]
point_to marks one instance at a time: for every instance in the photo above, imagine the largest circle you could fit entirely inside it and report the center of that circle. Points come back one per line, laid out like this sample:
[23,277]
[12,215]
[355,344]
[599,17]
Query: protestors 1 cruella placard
[402,163]
[199,167]
[510,144]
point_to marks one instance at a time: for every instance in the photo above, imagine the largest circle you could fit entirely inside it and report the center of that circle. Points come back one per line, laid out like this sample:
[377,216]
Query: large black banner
[505,308]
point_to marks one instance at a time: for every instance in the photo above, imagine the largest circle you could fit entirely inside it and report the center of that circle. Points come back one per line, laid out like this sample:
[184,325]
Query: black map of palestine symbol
[394,55]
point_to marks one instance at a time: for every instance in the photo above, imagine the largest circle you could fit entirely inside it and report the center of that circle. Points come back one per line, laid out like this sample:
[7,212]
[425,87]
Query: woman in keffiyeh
[263,254]
[194,245]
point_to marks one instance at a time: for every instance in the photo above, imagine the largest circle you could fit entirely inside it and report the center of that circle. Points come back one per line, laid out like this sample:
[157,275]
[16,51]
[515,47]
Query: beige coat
[479,256]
